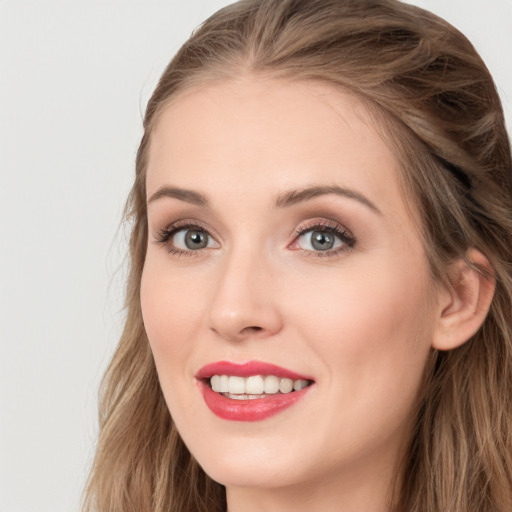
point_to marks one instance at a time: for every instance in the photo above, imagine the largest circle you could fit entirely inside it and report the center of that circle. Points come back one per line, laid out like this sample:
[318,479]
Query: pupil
[195,240]
[322,241]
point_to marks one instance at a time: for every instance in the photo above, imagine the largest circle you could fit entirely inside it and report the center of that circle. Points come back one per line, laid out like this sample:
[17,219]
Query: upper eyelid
[300,229]
[326,224]
[183,223]
[188,224]
[337,228]
[163,235]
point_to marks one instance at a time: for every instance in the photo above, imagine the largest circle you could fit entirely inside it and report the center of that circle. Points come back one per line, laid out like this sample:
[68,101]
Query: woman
[319,303]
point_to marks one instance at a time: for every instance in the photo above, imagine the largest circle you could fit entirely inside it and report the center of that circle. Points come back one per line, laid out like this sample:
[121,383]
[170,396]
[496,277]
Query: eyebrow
[189,196]
[293,197]
[287,199]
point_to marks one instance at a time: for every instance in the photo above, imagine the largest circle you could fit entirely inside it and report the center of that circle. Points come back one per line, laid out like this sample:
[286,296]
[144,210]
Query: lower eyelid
[324,254]
[346,239]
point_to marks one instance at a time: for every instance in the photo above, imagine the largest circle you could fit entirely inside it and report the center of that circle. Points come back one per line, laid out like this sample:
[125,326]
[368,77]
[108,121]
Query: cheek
[373,331]
[172,304]
[380,305]
[171,313]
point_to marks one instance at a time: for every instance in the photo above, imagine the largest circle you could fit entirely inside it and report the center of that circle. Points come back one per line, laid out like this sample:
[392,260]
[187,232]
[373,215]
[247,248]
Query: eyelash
[348,240]
[163,237]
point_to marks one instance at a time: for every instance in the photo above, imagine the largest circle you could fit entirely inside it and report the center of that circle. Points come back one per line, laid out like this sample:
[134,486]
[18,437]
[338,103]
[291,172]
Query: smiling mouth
[250,390]
[255,386]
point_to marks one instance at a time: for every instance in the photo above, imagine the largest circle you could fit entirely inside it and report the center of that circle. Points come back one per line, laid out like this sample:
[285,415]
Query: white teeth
[299,384]
[286,385]
[244,397]
[255,386]
[223,384]
[215,383]
[236,385]
[271,384]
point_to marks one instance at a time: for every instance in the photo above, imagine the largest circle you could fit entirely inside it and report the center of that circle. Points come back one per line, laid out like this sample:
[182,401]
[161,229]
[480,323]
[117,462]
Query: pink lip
[248,410]
[246,369]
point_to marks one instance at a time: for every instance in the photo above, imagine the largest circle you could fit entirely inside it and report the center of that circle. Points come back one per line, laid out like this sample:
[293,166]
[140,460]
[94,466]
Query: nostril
[252,328]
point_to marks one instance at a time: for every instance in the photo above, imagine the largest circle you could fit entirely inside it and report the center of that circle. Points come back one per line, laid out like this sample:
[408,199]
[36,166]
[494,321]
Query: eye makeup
[316,237]
[166,237]
[331,235]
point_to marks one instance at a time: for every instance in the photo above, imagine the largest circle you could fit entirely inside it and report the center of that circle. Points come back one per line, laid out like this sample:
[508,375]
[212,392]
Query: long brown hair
[443,118]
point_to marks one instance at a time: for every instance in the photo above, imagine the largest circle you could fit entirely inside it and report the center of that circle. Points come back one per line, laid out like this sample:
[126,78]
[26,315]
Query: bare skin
[332,283]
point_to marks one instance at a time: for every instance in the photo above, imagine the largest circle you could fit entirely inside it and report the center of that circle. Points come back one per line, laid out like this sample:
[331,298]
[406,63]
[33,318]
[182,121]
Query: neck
[366,487]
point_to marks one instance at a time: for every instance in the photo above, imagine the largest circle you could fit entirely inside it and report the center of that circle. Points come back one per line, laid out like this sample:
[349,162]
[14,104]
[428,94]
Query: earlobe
[464,304]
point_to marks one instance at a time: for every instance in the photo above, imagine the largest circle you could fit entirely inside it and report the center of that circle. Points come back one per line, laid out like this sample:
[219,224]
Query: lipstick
[267,401]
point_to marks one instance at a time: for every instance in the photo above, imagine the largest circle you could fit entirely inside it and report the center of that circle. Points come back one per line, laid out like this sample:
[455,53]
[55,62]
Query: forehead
[254,137]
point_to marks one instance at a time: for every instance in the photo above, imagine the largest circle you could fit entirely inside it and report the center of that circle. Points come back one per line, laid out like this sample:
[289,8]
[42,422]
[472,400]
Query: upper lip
[246,369]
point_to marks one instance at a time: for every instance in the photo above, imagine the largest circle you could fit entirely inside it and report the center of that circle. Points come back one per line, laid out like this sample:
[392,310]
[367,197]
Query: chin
[249,473]
[256,460]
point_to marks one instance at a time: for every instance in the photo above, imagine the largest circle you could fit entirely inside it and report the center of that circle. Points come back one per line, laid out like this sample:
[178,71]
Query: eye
[192,239]
[183,239]
[319,241]
[323,239]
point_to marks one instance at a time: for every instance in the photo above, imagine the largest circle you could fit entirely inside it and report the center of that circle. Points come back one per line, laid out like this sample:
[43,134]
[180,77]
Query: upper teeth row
[255,384]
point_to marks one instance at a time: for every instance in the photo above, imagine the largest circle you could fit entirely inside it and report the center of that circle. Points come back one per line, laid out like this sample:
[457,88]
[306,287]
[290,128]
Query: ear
[464,304]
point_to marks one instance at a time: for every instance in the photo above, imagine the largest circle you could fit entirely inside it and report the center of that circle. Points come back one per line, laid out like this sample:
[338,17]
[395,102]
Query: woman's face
[282,254]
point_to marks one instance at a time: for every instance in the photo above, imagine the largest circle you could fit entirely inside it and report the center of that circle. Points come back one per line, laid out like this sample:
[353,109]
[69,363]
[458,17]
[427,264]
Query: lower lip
[249,410]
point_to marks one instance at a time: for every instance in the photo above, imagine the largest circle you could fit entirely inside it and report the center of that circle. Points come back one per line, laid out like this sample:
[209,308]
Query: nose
[244,303]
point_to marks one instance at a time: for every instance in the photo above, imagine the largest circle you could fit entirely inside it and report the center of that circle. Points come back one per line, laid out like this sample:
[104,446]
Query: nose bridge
[243,301]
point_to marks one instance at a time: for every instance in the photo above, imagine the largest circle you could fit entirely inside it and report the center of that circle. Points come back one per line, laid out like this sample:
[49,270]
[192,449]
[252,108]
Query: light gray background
[74,79]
